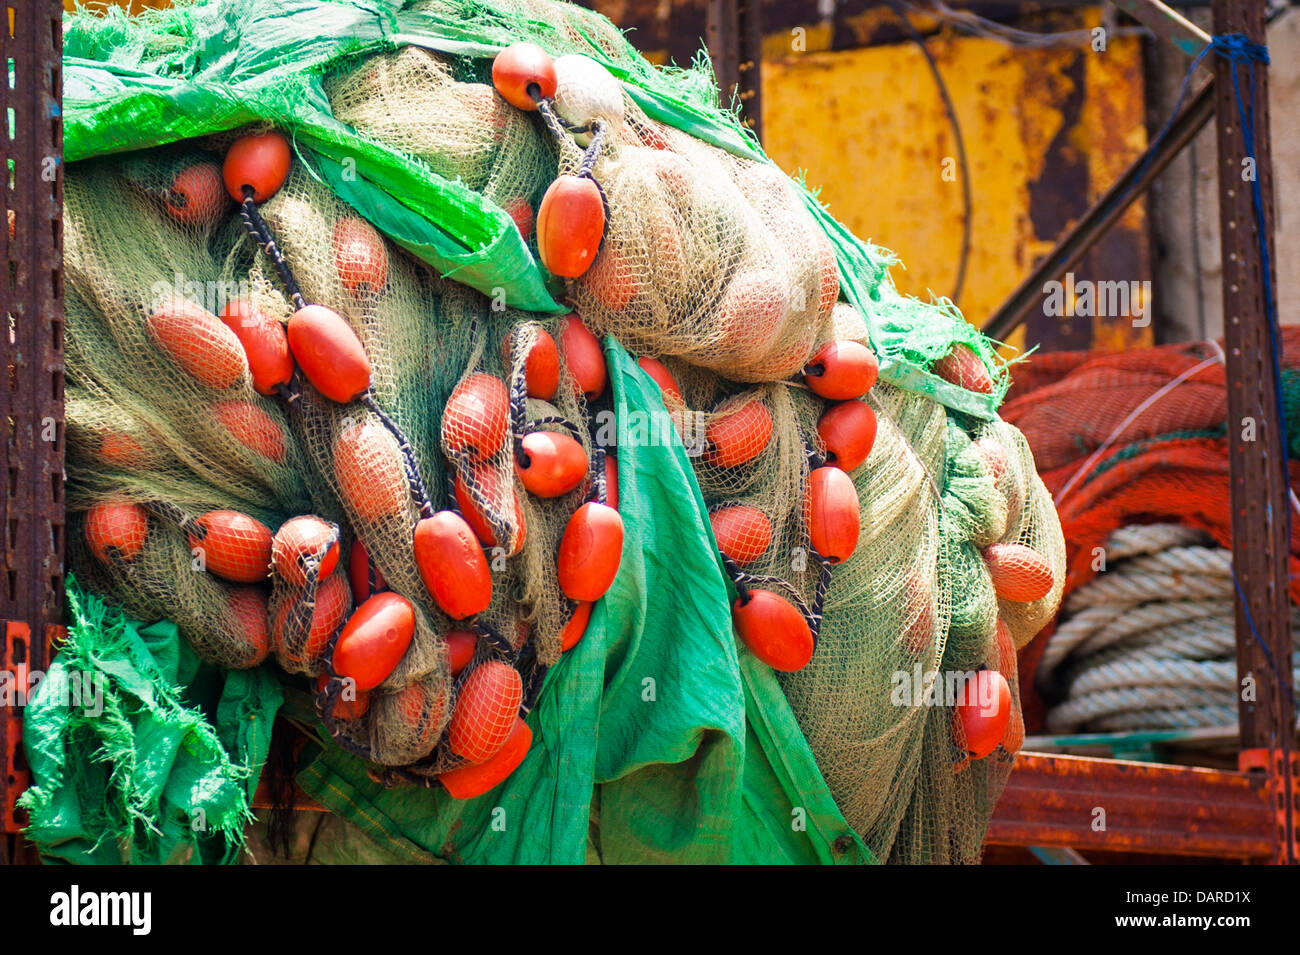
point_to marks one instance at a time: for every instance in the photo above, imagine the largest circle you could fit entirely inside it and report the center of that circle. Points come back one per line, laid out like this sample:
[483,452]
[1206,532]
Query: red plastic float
[466,782]
[834,517]
[368,467]
[248,612]
[461,645]
[488,482]
[329,353]
[570,225]
[524,73]
[590,551]
[252,427]
[1019,573]
[848,430]
[328,611]
[662,377]
[198,342]
[266,346]
[576,626]
[476,417]
[486,709]
[116,531]
[234,546]
[297,541]
[555,463]
[841,370]
[983,712]
[541,365]
[359,257]
[359,572]
[583,357]
[375,639]
[735,437]
[196,196]
[774,630]
[452,565]
[743,533]
[260,161]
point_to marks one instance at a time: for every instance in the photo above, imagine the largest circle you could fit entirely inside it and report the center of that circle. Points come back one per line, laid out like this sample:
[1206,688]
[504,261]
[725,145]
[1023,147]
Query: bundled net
[411,505]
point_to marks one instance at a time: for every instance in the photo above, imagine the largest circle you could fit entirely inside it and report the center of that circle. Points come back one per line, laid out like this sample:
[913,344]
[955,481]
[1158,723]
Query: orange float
[735,437]
[963,368]
[329,353]
[841,370]
[452,565]
[834,514]
[252,427]
[524,73]
[983,712]
[327,612]
[360,570]
[476,417]
[233,546]
[488,481]
[265,344]
[375,639]
[575,628]
[522,214]
[116,532]
[260,161]
[773,629]
[486,708]
[461,645]
[553,464]
[467,782]
[420,713]
[570,225]
[590,552]
[541,364]
[828,277]
[662,377]
[848,431]
[1019,573]
[583,357]
[248,613]
[743,533]
[196,196]
[198,342]
[298,540]
[368,468]
[344,708]
[611,280]
[359,257]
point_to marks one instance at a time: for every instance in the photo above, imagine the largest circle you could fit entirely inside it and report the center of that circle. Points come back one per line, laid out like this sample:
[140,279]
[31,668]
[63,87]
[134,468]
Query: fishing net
[1133,445]
[713,268]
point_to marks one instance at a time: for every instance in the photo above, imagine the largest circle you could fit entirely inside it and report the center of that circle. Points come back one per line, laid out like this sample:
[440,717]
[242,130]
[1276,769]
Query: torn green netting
[140,752]
[211,65]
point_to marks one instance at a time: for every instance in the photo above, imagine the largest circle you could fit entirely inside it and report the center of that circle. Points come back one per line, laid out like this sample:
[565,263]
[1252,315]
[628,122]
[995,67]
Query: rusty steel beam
[1122,806]
[1261,511]
[31,402]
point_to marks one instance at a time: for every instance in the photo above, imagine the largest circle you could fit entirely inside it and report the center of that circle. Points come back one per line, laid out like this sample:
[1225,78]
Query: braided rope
[1150,643]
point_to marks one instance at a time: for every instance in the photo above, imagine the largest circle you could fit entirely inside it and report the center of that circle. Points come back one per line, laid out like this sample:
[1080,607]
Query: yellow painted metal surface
[868,127]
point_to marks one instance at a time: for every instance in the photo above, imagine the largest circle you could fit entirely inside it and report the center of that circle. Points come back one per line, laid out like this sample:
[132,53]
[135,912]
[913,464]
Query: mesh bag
[711,262]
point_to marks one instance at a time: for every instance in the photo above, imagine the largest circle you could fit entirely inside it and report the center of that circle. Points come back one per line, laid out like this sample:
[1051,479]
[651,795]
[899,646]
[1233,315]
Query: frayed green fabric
[140,752]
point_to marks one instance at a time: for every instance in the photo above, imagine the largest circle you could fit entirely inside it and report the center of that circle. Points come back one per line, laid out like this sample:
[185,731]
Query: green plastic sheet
[159,762]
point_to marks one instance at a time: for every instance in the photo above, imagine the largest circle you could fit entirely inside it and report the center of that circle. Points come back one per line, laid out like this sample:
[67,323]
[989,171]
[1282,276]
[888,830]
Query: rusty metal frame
[734,37]
[31,295]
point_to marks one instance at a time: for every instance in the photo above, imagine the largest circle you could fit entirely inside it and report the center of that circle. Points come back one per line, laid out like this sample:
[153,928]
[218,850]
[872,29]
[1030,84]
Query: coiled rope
[1150,643]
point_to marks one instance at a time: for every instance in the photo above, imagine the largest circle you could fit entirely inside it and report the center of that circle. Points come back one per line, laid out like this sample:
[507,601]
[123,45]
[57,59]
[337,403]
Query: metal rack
[1051,801]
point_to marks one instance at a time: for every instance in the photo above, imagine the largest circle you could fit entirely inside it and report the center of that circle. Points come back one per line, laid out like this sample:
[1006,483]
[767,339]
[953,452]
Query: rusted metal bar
[1104,213]
[1122,806]
[31,296]
[750,68]
[1257,457]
